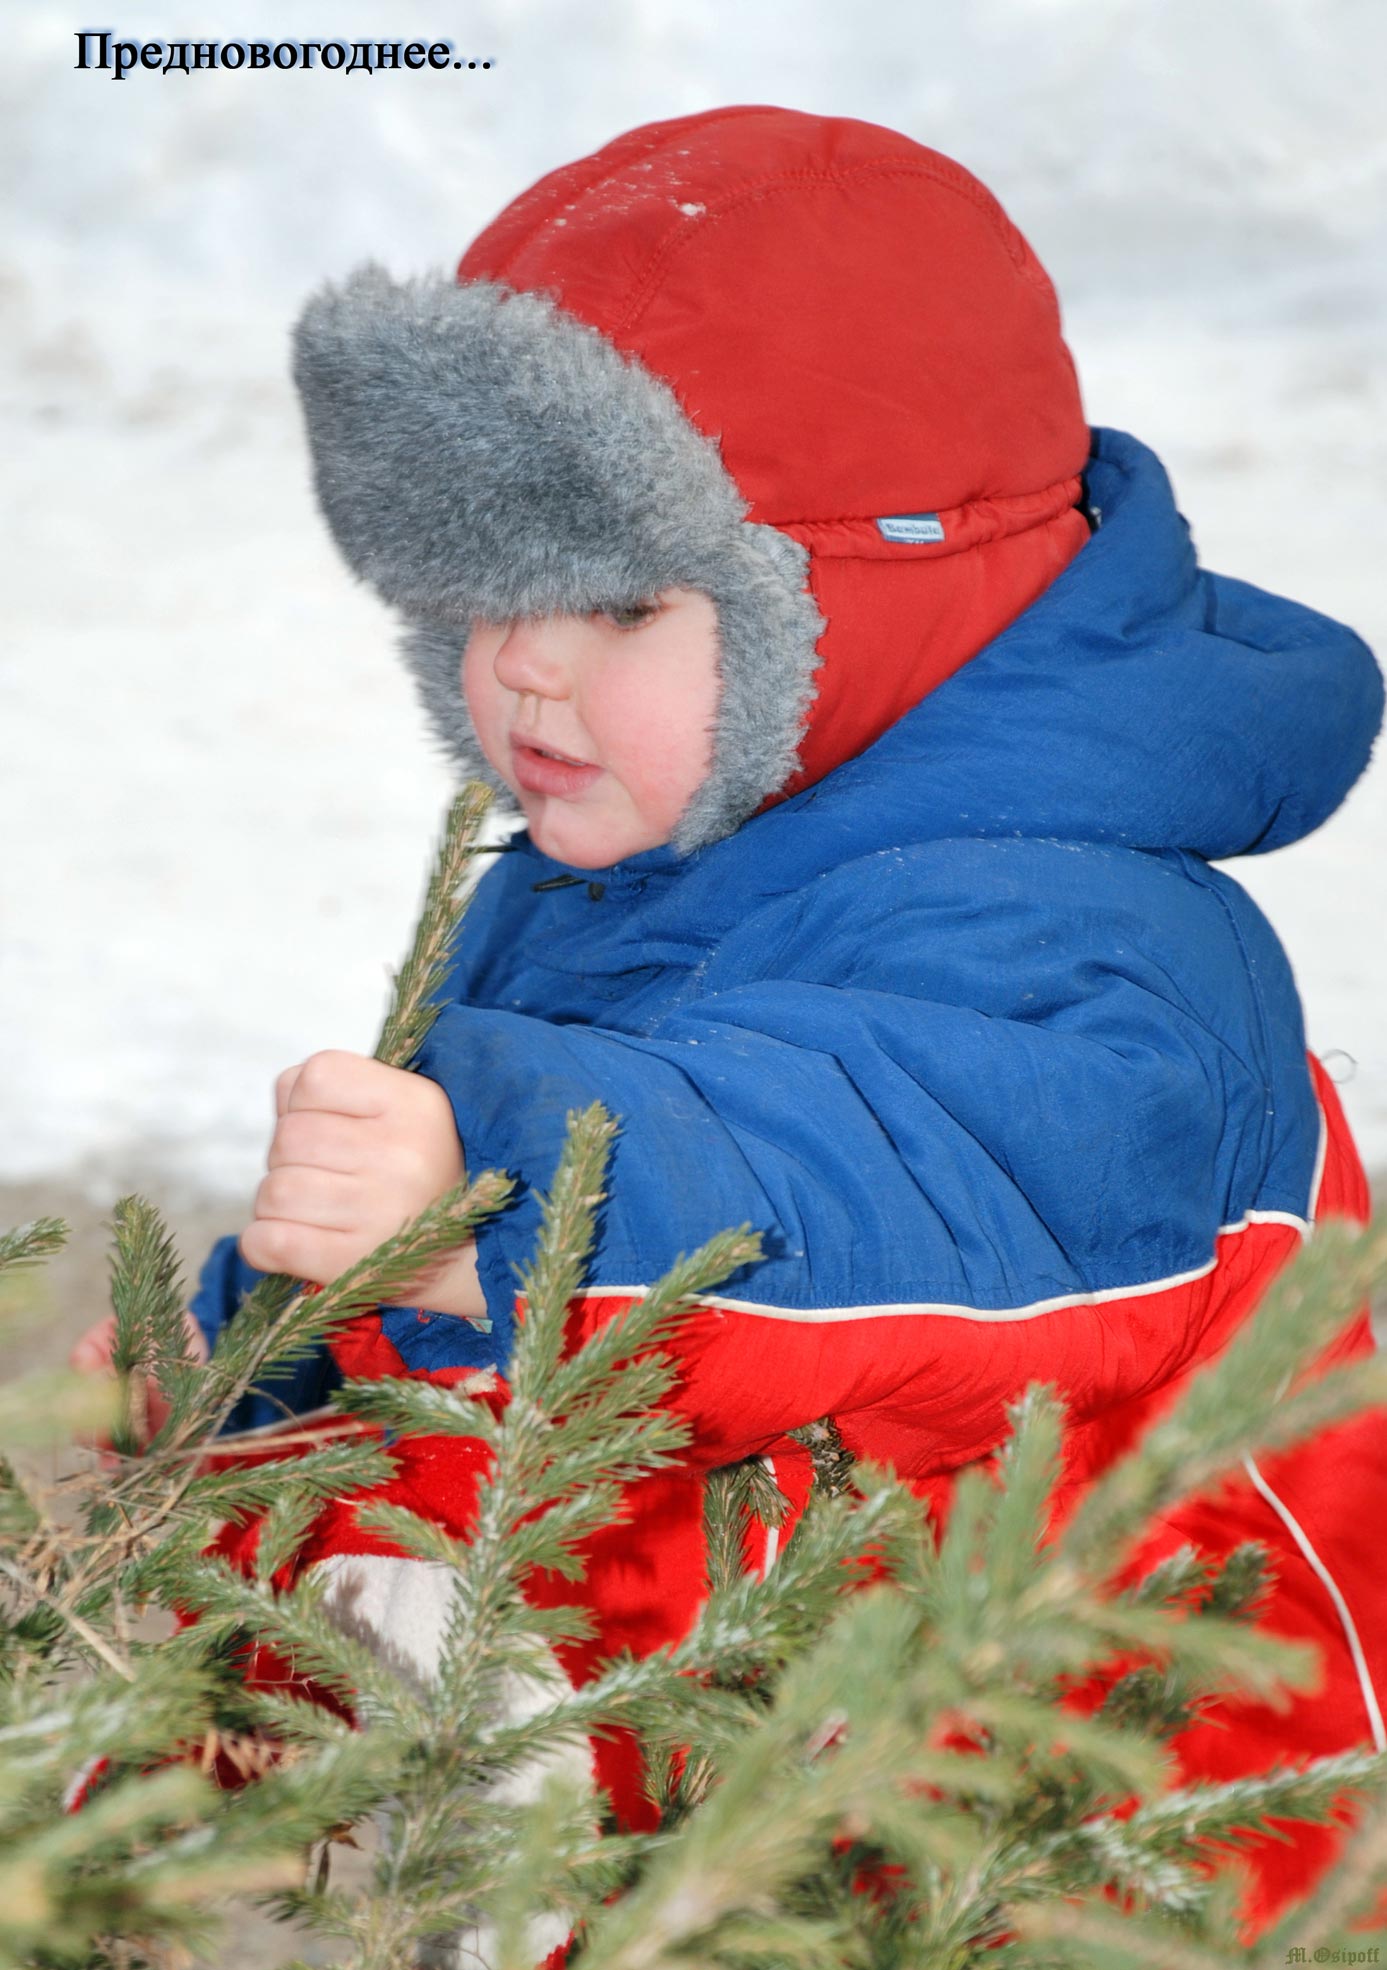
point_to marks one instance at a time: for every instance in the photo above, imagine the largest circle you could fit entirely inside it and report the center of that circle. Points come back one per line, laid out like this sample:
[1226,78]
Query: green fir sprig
[414,1002]
[901,1744]
[32,1243]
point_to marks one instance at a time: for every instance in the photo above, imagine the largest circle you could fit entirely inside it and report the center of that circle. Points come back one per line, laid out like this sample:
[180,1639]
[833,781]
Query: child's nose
[534,656]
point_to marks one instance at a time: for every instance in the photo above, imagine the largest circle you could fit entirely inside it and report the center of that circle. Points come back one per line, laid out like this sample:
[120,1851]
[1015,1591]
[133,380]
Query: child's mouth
[538,770]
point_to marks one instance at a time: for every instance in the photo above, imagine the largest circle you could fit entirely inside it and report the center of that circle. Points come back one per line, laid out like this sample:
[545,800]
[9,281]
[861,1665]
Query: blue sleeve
[997,1101]
[303,1386]
[887,1151]
[224,1281]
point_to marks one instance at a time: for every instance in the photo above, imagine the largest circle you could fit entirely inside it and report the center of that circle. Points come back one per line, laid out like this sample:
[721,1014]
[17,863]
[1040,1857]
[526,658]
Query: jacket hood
[1144,701]
[802,363]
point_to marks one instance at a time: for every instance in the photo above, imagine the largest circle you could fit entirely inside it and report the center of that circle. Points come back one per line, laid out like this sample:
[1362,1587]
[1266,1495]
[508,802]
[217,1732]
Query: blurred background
[218,801]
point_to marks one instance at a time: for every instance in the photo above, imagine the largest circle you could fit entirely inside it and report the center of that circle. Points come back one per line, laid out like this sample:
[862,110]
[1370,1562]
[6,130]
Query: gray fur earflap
[478,452]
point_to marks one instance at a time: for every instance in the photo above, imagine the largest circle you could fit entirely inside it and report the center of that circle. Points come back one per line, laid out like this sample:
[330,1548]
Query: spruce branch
[831,1745]
[768,1690]
[729,1505]
[1232,1811]
[414,1004]
[292,1621]
[1092,1937]
[832,1461]
[582,1378]
[265,1334]
[1237,1588]
[1342,1895]
[35,1593]
[32,1243]
[1027,1468]
[867,1754]
[1212,1652]
[413,1008]
[420,1408]
[571,1425]
[577,1424]
[148,1299]
[1177,1581]
[568,1227]
[1240,1402]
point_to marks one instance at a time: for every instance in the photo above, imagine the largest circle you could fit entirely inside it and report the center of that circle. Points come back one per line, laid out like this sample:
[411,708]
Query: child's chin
[564,839]
[569,836]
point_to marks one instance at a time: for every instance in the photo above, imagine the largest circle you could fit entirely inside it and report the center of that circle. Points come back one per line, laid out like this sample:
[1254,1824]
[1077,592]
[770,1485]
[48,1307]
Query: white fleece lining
[1331,1587]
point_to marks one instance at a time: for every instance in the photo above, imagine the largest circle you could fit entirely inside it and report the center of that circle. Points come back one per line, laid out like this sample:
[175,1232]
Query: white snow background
[218,801]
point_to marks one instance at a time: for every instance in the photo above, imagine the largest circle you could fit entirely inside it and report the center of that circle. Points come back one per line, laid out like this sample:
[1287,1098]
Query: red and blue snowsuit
[960,1016]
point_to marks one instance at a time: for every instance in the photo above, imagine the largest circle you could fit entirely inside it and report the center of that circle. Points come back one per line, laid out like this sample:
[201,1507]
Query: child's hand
[358,1150]
[92,1356]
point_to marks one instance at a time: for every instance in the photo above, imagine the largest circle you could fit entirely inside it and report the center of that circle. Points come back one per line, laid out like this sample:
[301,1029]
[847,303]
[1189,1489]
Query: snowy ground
[217,801]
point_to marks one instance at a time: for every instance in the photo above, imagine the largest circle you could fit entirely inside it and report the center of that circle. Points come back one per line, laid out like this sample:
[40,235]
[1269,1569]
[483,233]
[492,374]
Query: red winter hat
[801,363]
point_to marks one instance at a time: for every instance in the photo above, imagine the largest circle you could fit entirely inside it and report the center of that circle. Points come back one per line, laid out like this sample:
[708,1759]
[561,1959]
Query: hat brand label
[911,528]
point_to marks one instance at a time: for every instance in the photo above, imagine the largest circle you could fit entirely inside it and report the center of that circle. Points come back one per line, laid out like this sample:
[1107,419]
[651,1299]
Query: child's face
[631,698]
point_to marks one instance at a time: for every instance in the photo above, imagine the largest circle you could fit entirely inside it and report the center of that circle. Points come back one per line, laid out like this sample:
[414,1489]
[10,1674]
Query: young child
[875,730]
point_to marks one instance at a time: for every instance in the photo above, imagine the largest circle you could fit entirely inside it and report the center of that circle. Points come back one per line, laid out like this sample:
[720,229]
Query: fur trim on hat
[478,452]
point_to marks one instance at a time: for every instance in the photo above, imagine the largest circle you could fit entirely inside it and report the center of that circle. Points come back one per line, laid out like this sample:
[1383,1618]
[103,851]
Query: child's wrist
[451,1287]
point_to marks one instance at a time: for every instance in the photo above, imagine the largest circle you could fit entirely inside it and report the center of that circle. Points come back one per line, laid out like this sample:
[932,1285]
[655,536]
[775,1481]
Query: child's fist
[358,1150]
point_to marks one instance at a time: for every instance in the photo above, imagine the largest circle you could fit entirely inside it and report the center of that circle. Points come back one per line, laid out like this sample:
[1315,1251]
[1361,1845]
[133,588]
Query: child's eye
[631,615]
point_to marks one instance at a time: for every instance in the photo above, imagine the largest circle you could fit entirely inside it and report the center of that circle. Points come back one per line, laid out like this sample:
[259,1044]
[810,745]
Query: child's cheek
[481,694]
[667,766]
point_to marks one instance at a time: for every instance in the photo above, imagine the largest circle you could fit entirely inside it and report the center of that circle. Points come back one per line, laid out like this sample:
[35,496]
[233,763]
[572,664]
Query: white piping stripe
[1312,1209]
[823,1316]
[1302,1225]
[1331,1587]
[1102,1296]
